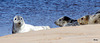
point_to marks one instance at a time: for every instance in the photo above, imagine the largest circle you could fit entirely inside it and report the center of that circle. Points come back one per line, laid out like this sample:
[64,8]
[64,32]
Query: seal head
[18,22]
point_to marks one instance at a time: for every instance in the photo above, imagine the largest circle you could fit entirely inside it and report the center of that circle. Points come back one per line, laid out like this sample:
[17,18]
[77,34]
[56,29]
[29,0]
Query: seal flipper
[13,31]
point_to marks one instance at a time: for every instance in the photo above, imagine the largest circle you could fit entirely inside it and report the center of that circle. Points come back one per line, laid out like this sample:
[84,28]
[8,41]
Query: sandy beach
[72,34]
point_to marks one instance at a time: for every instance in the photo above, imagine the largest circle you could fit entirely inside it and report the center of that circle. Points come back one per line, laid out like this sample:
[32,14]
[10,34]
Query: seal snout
[19,23]
[56,23]
[81,23]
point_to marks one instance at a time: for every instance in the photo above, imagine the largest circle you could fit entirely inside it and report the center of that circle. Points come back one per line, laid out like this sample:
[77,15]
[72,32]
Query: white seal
[19,26]
[66,21]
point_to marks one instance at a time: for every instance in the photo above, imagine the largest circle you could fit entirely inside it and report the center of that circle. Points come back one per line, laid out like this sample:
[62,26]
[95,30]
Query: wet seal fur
[19,26]
[66,21]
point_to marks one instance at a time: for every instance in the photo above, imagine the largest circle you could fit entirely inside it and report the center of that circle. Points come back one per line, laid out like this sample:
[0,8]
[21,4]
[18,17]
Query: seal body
[66,21]
[41,28]
[95,19]
[75,23]
[19,26]
[23,28]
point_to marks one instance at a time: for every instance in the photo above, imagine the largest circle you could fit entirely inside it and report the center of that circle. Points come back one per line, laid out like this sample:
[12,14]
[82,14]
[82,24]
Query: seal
[95,19]
[66,21]
[84,20]
[19,26]
[90,19]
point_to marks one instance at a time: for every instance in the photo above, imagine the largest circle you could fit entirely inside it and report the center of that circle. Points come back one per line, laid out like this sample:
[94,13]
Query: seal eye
[59,19]
[81,18]
[21,18]
[95,21]
[15,18]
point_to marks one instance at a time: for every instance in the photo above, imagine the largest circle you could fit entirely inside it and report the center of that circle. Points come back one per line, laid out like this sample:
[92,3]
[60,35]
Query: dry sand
[72,34]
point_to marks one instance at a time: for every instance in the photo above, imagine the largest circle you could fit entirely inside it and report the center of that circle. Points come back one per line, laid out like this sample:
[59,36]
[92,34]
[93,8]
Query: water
[43,12]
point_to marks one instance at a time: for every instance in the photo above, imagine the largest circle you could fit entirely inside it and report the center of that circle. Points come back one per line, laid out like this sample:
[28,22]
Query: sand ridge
[71,34]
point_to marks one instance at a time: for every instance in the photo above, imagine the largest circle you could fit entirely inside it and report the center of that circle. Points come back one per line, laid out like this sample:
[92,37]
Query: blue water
[43,12]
